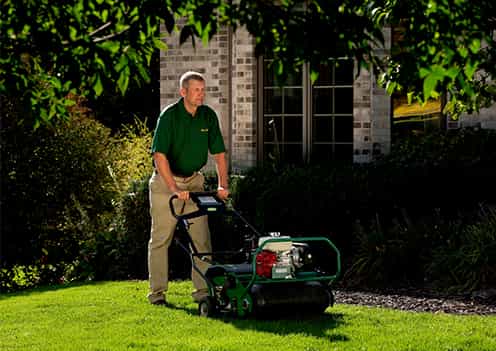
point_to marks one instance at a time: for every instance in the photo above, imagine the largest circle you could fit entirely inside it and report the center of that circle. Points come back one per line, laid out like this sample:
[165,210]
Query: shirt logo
[204,130]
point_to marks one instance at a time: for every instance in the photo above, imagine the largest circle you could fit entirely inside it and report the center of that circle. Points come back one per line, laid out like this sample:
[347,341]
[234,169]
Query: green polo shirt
[186,139]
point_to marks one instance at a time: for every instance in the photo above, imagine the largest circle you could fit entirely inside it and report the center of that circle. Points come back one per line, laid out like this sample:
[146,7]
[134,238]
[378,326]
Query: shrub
[384,256]
[133,160]
[57,192]
[415,191]
[466,260]
[132,228]
[45,172]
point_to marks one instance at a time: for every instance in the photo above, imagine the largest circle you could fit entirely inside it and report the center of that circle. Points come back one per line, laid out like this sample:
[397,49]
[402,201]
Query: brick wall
[485,118]
[362,117]
[229,67]
[371,113]
[244,91]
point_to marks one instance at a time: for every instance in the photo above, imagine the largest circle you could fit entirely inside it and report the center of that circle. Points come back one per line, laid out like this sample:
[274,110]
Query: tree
[84,47]
[447,46]
[51,50]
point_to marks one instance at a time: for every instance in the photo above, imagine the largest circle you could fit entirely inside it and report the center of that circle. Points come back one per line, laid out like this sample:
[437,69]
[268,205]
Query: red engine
[265,260]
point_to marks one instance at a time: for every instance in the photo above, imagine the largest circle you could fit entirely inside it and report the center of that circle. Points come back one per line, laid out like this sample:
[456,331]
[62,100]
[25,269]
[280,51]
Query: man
[186,131]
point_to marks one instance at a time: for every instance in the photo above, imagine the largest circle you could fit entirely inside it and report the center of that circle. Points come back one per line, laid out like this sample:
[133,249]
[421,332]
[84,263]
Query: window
[300,122]
[413,118]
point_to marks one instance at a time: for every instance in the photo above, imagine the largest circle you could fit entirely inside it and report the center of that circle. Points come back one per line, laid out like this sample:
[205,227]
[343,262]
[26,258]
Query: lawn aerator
[270,274]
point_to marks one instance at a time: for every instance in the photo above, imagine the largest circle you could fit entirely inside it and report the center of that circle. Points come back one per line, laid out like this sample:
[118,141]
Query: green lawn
[116,316]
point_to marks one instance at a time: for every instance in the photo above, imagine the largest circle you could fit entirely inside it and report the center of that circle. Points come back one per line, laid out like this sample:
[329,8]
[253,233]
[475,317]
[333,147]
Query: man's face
[194,94]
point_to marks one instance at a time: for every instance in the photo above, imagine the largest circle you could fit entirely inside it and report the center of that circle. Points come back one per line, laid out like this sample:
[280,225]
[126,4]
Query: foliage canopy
[83,47]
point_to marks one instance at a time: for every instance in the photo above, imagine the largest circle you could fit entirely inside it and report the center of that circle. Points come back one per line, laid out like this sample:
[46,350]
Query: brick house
[342,116]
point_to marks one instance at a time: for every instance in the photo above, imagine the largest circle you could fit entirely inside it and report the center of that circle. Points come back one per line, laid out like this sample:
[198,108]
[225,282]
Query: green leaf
[439,72]
[423,72]
[123,62]
[105,14]
[69,102]
[470,69]
[144,73]
[452,72]
[111,46]
[98,86]
[279,67]
[160,44]
[205,35]
[123,80]
[409,97]
[73,33]
[430,83]
[390,87]
[314,75]
[475,45]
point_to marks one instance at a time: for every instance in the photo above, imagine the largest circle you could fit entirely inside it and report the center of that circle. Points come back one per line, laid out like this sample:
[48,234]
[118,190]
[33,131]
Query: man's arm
[223,180]
[163,168]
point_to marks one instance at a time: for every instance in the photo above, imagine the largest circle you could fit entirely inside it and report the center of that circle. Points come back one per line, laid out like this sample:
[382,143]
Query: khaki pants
[162,231]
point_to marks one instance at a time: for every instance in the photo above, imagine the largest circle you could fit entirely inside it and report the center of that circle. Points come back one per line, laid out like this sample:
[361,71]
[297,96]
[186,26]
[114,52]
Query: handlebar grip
[204,205]
[171,205]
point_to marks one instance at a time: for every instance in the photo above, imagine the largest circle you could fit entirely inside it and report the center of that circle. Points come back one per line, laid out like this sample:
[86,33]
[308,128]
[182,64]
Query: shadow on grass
[316,325]
[283,323]
[46,288]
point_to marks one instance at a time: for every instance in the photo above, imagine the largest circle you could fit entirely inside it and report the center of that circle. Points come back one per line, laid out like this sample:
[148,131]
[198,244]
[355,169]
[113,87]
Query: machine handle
[207,201]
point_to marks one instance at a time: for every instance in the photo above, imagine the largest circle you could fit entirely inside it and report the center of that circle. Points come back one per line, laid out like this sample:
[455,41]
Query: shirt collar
[183,108]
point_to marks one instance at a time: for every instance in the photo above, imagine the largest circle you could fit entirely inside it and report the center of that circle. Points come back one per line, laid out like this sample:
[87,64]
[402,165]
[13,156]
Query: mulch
[478,303]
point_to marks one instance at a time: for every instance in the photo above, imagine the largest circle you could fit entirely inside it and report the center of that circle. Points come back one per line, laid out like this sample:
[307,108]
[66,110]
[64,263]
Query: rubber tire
[207,307]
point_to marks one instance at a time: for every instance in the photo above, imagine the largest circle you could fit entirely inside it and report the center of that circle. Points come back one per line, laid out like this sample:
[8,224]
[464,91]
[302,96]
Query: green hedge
[397,221]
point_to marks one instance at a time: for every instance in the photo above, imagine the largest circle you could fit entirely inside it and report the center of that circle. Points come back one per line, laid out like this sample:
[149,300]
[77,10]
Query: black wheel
[207,307]
[331,298]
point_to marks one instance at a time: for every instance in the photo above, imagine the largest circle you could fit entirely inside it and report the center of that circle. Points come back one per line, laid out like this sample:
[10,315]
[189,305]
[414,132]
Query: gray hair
[186,77]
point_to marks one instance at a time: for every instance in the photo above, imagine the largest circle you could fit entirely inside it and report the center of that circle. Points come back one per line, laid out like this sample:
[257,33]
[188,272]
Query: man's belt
[184,178]
[178,175]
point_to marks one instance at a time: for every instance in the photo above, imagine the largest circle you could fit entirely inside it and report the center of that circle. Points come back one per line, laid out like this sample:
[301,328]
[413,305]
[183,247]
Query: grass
[116,316]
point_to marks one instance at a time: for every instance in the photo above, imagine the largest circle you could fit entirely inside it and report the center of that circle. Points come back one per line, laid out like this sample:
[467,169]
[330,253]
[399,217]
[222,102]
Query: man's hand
[222,193]
[182,195]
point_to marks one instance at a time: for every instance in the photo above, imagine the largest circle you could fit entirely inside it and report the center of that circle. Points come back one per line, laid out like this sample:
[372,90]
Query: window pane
[293,128]
[293,100]
[321,153]
[343,129]
[322,129]
[272,101]
[293,153]
[272,129]
[344,100]
[322,101]
[344,72]
[294,79]
[325,75]
[270,79]
[268,74]
[343,152]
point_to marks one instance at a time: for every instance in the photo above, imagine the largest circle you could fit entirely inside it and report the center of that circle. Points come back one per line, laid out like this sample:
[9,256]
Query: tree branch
[110,36]
[100,28]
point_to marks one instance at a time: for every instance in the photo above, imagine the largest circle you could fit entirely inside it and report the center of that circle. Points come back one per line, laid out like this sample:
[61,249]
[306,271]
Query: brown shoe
[160,302]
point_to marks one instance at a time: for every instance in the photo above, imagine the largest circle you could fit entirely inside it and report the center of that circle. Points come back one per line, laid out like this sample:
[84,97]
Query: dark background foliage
[409,218]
